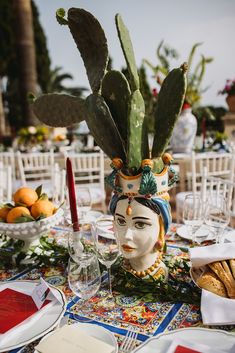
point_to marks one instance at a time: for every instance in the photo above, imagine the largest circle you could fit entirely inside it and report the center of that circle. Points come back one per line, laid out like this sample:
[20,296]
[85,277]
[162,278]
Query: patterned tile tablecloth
[122,313]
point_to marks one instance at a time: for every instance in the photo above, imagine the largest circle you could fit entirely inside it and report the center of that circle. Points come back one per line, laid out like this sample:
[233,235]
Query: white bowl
[31,230]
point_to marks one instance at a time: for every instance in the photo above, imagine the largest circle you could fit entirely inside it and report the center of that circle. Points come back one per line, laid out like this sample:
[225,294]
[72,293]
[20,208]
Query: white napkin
[201,256]
[215,310]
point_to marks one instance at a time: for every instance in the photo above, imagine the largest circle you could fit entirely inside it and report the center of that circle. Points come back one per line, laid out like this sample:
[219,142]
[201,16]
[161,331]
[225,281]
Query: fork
[128,344]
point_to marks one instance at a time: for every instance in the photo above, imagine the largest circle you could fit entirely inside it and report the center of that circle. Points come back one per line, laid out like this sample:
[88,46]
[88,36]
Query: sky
[180,23]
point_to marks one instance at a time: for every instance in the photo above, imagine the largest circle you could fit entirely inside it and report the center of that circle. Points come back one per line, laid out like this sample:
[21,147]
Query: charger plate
[221,340]
[32,328]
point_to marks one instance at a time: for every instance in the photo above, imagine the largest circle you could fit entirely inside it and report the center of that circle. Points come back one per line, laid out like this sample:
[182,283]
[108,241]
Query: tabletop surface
[125,312]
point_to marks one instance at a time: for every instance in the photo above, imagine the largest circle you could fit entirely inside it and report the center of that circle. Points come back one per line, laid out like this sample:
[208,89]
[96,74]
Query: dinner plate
[221,340]
[38,324]
[95,331]
[202,233]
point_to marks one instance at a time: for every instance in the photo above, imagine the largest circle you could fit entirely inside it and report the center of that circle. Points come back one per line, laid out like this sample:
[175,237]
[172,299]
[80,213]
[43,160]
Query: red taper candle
[72,195]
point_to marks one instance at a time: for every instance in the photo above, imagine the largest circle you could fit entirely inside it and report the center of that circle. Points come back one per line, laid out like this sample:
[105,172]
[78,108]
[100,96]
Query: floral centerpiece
[32,137]
[115,115]
[229,90]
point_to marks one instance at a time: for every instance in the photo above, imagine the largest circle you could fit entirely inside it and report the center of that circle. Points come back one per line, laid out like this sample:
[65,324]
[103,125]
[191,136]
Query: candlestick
[72,195]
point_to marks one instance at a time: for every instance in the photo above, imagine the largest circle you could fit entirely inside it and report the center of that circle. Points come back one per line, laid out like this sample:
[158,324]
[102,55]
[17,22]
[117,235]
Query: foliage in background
[32,135]
[229,88]
[165,55]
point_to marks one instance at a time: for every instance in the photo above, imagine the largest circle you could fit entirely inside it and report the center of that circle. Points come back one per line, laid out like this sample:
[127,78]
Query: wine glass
[84,280]
[193,214]
[217,215]
[106,245]
[83,202]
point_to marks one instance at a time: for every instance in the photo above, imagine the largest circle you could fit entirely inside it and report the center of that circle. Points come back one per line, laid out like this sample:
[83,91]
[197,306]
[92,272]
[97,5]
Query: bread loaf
[209,281]
[219,278]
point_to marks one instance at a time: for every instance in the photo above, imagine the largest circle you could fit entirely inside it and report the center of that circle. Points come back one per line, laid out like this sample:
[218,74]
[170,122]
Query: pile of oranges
[28,206]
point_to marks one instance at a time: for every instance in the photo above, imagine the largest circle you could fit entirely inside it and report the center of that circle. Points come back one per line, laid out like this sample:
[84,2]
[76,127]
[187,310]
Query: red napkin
[181,349]
[15,307]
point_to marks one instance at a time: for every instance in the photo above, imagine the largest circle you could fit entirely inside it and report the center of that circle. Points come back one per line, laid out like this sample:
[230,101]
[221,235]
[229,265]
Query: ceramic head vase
[115,114]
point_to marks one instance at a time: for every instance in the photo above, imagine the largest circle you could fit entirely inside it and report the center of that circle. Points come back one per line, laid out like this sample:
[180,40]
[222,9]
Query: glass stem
[109,279]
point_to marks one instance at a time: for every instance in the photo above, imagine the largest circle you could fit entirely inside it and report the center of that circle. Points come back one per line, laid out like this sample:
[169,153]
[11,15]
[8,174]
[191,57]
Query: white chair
[59,185]
[8,159]
[217,164]
[88,169]
[215,186]
[5,183]
[37,168]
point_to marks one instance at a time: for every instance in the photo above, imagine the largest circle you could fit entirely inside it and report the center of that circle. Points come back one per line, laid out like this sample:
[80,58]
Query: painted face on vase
[138,232]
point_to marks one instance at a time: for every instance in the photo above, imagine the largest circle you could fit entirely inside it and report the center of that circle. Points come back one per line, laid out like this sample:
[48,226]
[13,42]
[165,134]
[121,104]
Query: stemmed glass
[106,245]
[217,215]
[193,214]
[81,243]
[84,280]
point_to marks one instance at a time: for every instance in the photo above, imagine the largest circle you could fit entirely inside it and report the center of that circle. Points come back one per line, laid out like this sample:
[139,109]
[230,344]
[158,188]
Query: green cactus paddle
[116,92]
[103,127]
[135,123]
[128,52]
[169,104]
[62,110]
[92,44]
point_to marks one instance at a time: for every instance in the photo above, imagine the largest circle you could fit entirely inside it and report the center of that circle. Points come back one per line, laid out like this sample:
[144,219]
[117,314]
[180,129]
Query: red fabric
[15,307]
[181,349]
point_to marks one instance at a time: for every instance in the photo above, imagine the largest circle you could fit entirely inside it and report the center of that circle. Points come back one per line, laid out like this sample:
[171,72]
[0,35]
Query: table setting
[122,282]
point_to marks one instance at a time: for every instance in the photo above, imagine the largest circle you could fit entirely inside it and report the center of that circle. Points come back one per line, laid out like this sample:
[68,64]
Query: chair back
[59,185]
[6,183]
[212,187]
[88,169]
[35,166]
[8,159]
[216,164]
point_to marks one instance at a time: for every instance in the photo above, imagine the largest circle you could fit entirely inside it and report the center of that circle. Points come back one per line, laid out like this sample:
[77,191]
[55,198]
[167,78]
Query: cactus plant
[115,111]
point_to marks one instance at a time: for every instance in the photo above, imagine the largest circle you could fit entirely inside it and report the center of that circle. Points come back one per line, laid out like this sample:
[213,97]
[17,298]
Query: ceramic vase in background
[230,99]
[184,133]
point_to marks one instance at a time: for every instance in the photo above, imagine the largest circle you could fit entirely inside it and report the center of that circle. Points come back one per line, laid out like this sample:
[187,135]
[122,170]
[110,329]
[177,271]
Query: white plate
[32,328]
[222,340]
[202,233]
[95,331]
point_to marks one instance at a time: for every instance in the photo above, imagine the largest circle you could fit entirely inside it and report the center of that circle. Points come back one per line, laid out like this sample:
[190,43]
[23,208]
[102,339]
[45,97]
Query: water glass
[193,214]
[107,249]
[81,243]
[217,215]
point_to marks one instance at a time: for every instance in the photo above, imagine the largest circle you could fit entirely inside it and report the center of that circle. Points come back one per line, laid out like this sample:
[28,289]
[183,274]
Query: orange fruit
[26,196]
[4,212]
[42,208]
[17,212]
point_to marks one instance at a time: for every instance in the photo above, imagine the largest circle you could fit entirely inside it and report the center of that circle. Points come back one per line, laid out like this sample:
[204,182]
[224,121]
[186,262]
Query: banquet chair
[5,183]
[217,164]
[8,159]
[88,169]
[37,168]
[59,185]
[212,187]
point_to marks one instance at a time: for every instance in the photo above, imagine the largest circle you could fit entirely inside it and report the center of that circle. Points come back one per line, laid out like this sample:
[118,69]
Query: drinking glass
[107,249]
[193,214]
[84,280]
[217,215]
